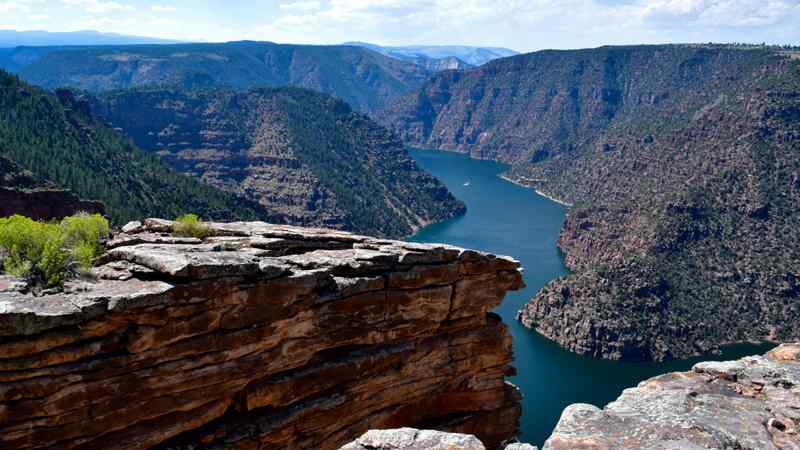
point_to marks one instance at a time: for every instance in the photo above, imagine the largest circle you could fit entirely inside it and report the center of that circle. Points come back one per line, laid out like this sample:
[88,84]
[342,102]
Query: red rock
[244,349]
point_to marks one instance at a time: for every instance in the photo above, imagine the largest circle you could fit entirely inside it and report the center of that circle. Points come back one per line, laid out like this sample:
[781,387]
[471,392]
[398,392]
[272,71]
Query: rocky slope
[55,138]
[752,403]
[681,162]
[22,193]
[259,336]
[304,156]
[365,79]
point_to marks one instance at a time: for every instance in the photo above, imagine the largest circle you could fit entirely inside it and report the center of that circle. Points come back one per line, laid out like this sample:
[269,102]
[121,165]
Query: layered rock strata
[259,336]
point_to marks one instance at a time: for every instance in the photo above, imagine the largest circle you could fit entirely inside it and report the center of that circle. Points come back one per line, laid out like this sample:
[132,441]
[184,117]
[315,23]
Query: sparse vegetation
[47,253]
[190,225]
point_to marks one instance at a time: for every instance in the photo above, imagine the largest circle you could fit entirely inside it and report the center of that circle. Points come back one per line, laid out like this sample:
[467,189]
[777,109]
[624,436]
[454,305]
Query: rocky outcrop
[45,204]
[22,193]
[259,336]
[752,403]
[413,439]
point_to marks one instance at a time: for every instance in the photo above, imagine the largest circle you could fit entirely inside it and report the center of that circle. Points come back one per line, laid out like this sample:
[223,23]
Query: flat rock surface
[752,403]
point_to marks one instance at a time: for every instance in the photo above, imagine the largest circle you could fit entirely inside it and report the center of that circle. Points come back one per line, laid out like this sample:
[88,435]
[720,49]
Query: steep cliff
[260,336]
[681,163]
[365,79]
[304,156]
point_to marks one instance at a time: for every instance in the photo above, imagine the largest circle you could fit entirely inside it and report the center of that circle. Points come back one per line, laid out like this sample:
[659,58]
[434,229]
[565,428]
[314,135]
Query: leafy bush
[190,225]
[82,234]
[46,252]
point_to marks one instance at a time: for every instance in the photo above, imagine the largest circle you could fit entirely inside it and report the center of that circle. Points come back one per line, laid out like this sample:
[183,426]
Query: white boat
[466,184]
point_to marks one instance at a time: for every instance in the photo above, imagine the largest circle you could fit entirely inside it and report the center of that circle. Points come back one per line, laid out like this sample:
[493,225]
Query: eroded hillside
[302,155]
[682,165]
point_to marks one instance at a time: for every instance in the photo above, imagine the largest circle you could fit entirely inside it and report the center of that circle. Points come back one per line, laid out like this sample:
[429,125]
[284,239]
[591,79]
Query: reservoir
[507,219]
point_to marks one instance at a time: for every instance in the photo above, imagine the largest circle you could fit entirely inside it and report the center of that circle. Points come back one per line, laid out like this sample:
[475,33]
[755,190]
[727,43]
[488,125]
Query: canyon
[258,336]
[680,163]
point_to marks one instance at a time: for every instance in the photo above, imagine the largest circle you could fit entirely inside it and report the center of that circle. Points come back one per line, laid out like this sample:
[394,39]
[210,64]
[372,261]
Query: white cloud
[532,24]
[98,6]
[301,6]
[520,24]
[163,8]
[14,7]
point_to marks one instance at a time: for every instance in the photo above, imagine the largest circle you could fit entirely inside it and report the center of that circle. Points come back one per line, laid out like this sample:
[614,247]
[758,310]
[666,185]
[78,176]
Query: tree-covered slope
[55,138]
[299,153]
[682,163]
[365,79]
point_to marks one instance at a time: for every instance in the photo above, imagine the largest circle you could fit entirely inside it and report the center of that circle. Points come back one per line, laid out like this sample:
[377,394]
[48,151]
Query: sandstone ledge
[260,336]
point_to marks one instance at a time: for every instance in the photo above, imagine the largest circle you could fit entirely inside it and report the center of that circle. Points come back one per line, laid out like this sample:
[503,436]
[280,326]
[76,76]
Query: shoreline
[549,197]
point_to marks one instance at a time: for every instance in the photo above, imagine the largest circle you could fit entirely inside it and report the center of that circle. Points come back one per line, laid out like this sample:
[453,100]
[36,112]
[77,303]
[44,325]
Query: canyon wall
[681,163]
[306,157]
[258,336]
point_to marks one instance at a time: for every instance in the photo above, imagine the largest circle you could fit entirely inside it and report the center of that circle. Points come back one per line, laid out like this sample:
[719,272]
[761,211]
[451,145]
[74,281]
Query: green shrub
[85,228]
[83,255]
[190,225]
[45,252]
[53,265]
[24,241]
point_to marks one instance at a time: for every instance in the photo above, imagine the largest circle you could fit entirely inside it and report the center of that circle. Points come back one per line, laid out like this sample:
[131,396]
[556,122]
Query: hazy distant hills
[441,55]
[682,162]
[364,78]
[12,38]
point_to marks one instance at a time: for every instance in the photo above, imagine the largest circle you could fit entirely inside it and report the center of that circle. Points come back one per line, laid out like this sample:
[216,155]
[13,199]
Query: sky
[522,25]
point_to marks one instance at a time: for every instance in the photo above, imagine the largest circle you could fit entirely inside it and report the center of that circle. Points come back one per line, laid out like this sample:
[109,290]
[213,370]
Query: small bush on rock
[190,225]
[45,253]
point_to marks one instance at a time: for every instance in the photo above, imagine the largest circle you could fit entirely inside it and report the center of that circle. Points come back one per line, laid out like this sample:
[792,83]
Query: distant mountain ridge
[441,55]
[14,38]
[365,79]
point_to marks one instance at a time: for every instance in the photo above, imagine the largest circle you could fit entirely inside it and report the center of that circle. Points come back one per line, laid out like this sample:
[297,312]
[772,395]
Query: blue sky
[523,25]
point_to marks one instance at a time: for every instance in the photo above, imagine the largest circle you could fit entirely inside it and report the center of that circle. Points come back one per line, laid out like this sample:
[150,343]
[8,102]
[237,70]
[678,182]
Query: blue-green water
[507,219]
